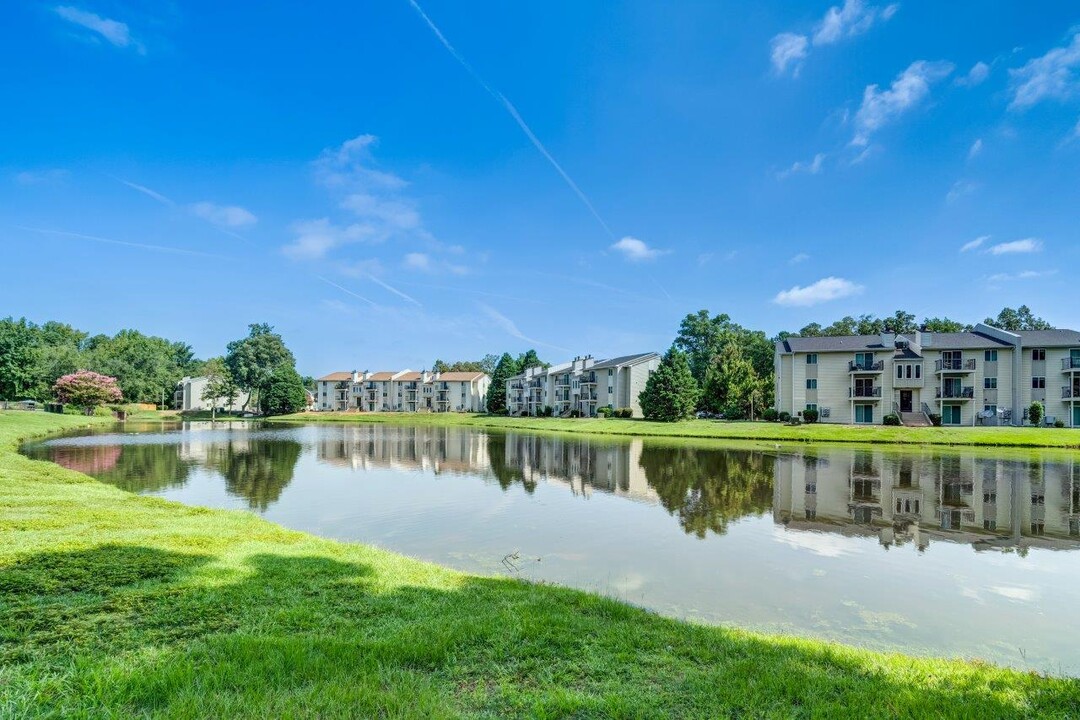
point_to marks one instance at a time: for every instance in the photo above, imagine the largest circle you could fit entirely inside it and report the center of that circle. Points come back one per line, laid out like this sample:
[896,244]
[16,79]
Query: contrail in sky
[109,241]
[146,191]
[394,290]
[347,291]
[509,107]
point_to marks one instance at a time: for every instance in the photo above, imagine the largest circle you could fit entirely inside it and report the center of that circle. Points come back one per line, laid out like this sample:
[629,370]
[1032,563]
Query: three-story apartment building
[986,376]
[583,385]
[403,391]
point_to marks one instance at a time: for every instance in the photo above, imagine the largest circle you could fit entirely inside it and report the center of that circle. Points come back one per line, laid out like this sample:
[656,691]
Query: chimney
[355,376]
[887,339]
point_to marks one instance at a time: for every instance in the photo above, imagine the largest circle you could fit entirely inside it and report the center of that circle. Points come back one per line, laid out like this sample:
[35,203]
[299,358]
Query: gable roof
[624,360]
[861,343]
[460,376]
[1049,338]
[336,377]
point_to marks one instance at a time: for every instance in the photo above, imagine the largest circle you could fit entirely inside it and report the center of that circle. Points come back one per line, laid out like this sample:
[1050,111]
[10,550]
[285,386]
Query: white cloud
[1027,245]
[423,262]
[231,216]
[41,177]
[975,149]
[1049,77]
[854,18]
[973,244]
[798,258]
[349,166]
[824,290]
[113,31]
[315,238]
[394,214]
[788,50]
[1023,275]
[975,76]
[813,167]
[911,87]
[959,189]
[635,250]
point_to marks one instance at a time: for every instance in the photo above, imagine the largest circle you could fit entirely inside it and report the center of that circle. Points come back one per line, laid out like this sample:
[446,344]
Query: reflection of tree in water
[258,471]
[143,468]
[707,489]
[507,473]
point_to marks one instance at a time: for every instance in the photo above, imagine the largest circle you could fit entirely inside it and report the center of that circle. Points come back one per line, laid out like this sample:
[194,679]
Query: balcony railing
[588,378]
[864,392]
[874,366]
[955,365]
[948,393]
[1068,392]
[1070,363]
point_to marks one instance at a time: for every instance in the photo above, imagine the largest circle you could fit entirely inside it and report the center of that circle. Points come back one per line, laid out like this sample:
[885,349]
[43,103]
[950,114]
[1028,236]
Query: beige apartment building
[987,376]
[403,391]
[583,385]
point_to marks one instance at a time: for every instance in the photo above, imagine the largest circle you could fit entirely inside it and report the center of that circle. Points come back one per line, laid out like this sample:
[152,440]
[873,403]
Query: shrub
[935,419]
[891,419]
[785,416]
[1035,413]
[770,415]
[548,411]
[604,412]
[1059,423]
[810,416]
[624,413]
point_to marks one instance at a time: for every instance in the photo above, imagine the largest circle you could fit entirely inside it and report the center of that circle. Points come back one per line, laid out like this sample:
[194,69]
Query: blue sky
[388,183]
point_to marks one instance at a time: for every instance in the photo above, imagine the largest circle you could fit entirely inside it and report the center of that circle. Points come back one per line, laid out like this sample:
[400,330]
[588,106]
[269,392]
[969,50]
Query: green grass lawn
[824,433]
[117,606]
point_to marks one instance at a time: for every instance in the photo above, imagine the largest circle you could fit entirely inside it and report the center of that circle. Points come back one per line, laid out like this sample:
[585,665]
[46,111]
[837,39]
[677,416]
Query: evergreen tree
[505,369]
[671,392]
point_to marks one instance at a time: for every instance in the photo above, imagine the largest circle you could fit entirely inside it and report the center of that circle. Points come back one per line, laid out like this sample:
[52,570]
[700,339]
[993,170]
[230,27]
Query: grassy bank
[719,430]
[113,605]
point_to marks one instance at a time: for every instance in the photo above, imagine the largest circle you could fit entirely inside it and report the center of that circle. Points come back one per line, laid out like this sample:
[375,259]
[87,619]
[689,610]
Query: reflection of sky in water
[926,551]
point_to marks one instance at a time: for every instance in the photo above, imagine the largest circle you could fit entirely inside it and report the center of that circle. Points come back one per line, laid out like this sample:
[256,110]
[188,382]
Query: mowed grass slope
[118,606]
[720,430]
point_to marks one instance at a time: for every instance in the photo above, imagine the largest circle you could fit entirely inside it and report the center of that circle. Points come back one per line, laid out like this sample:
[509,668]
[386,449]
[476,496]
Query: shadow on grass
[128,630]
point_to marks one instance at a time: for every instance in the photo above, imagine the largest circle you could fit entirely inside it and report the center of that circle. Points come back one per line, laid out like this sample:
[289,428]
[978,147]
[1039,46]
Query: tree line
[717,366]
[146,368]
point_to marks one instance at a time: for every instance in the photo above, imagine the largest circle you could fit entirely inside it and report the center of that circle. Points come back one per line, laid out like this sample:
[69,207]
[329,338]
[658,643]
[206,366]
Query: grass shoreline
[1019,437]
[113,605]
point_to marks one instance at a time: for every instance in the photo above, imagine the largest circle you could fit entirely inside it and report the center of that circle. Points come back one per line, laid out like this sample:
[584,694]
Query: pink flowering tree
[88,390]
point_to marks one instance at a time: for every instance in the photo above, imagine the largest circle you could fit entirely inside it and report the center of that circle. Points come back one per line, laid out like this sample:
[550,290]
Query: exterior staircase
[914,419]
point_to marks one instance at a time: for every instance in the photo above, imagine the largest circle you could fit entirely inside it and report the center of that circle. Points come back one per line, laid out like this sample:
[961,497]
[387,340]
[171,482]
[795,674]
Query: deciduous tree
[88,390]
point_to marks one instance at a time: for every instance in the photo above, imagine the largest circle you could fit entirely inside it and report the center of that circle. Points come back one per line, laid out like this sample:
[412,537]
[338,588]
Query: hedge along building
[583,385]
[986,376]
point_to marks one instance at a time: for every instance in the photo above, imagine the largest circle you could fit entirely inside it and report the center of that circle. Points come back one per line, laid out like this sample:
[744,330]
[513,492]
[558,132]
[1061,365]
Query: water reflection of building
[366,447]
[915,498]
[580,465]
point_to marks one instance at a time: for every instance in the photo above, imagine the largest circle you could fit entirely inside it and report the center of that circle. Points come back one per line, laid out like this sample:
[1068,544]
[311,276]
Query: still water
[973,554]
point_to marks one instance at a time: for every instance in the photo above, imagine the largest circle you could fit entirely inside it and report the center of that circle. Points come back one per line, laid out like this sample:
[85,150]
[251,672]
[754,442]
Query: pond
[930,551]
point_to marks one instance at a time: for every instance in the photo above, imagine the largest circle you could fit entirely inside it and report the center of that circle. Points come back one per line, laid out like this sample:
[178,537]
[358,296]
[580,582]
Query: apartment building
[403,391]
[987,376]
[188,397]
[583,385]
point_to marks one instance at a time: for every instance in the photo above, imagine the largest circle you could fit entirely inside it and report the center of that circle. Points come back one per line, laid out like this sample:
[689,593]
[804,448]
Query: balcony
[1070,393]
[958,365]
[1070,364]
[955,393]
[866,393]
[588,378]
[866,367]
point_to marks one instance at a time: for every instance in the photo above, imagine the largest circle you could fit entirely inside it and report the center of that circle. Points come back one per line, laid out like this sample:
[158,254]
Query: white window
[1038,354]
[811,383]
[990,356]
[811,359]
[1038,383]
[990,383]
